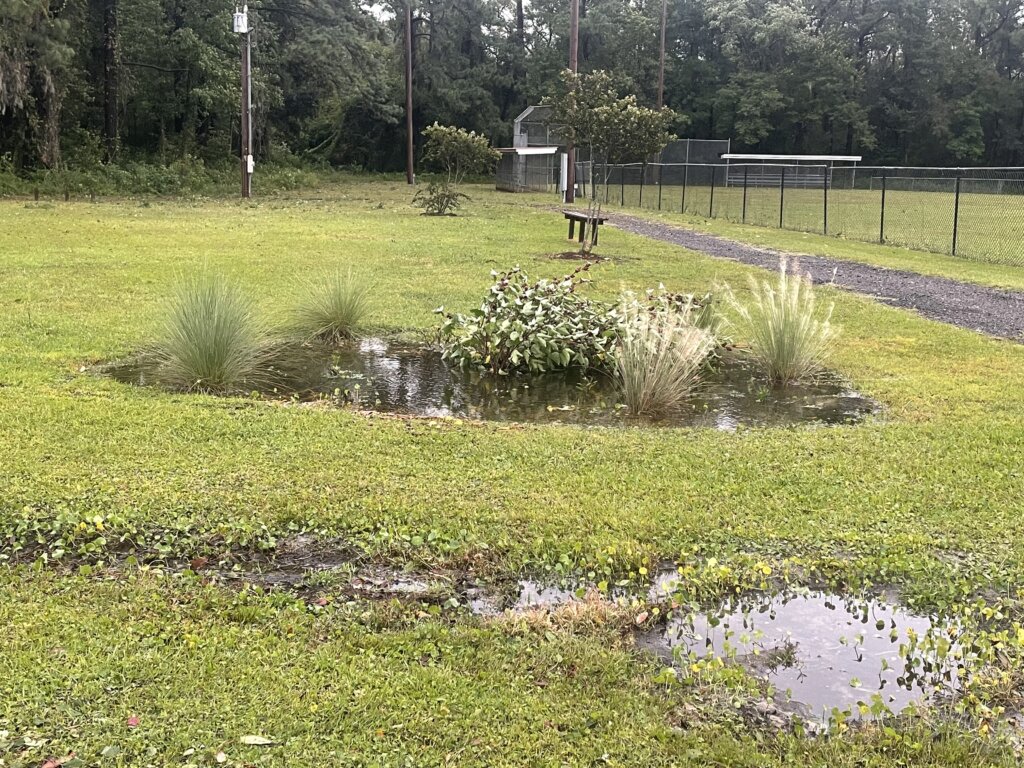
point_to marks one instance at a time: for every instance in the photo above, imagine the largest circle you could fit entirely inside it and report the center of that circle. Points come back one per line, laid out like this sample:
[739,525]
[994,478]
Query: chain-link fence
[974,213]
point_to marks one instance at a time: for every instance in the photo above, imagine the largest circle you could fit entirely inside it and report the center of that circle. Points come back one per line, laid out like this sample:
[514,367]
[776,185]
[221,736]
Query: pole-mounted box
[240,21]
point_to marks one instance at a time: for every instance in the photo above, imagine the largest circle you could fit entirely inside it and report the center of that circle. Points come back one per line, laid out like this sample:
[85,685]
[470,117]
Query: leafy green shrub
[532,326]
[332,307]
[660,353]
[439,199]
[455,152]
[787,337]
[211,339]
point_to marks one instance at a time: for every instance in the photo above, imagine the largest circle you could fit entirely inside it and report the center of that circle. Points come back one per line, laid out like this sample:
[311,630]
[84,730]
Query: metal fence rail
[972,213]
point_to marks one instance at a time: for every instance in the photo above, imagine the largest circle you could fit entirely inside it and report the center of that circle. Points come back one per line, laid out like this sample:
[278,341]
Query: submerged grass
[332,307]
[788,338]
[212,339]
[659,356]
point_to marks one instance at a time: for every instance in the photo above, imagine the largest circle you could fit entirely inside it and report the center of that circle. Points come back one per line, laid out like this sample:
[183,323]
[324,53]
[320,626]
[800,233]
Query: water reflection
[376,374]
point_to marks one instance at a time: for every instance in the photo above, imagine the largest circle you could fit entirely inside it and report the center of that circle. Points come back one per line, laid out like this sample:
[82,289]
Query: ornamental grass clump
[212,340]
[332,307]
[789,338]
[659,356]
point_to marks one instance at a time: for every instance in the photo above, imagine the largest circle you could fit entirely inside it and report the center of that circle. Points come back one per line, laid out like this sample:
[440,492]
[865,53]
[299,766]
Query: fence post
[622,186]
[643,173]
[711,202]
[686,176]
[881,224]
[606,178]
[956,212]
[782,194]
[824,210]
[661,172]
[744,216]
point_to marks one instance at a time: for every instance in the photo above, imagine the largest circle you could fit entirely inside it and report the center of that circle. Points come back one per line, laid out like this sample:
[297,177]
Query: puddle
[821,650]
[380,375]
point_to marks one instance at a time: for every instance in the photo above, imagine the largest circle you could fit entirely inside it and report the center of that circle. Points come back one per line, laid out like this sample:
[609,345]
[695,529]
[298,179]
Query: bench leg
[572,228]
[583,230]
[596,230]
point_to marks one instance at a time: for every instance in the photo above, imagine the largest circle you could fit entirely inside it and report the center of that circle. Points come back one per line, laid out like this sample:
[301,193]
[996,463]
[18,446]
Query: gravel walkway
[993,311]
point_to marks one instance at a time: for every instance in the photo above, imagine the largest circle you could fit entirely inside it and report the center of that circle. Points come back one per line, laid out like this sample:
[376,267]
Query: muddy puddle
[386,376]
[818,651]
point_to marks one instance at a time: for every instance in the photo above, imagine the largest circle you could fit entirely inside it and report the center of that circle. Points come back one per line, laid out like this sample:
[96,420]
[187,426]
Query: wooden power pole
[240,25]
[410,170]
[661,56]
[574,48]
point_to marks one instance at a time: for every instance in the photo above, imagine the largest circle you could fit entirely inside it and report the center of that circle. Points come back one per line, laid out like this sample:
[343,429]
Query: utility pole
[574,47]
[410,170]
[111,79]
[661,56]
[240,25]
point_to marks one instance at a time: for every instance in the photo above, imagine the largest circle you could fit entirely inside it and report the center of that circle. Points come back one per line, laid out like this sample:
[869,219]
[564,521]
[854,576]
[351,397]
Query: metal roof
[795,158]
[530,150]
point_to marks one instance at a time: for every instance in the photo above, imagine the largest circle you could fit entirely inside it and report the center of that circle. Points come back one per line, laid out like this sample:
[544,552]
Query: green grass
[926,497]
[918,228]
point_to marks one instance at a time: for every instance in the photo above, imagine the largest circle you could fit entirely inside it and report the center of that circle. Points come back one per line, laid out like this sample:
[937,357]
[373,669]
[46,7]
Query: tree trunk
[111,81]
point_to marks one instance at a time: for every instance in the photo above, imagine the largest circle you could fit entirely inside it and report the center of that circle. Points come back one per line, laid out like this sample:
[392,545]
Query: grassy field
[135,665]
[990,229]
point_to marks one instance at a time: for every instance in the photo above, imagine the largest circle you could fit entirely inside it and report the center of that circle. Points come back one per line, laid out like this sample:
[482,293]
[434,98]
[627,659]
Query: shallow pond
[380,375]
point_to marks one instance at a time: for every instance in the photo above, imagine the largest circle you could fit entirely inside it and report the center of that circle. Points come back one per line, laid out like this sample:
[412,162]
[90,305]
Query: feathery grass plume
[788,338]
[659,356]
[332,307]
[211,339]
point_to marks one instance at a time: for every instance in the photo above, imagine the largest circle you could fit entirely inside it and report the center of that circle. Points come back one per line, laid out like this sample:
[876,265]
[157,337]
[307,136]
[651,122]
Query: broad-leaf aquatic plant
[534,327]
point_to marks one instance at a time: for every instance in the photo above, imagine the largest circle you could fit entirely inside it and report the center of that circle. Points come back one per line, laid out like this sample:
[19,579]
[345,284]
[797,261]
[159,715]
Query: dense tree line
[900,81]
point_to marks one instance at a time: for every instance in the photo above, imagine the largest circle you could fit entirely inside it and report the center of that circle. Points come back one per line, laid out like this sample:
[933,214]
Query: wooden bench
[583,218]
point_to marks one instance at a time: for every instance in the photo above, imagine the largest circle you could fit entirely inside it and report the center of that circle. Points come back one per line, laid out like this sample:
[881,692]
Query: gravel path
[976,307]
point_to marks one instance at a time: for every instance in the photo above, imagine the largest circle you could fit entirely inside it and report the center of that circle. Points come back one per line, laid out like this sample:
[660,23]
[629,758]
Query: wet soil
[994,311]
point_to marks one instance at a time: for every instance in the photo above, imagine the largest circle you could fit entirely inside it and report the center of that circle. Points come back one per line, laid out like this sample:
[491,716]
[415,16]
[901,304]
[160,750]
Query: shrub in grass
[789,338]
[659,355]
[526,326]
[332,307]
[211,339]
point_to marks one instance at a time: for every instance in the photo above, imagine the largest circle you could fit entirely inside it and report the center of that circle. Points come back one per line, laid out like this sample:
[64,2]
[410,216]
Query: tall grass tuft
[790,340]
[211,339]
[659,356]
[332,307]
